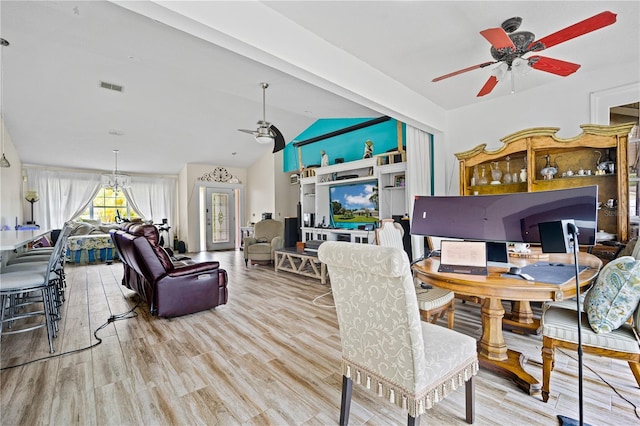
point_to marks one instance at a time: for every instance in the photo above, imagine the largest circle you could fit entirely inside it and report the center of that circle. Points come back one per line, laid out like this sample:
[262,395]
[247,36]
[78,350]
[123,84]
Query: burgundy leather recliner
[169,291]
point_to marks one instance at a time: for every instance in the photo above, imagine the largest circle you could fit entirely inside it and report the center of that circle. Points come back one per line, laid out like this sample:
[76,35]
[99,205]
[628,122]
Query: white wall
[11,206]
[261,191]
[564,104]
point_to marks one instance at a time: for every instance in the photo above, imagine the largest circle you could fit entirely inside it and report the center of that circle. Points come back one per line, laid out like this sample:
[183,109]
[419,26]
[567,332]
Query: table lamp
[31,197]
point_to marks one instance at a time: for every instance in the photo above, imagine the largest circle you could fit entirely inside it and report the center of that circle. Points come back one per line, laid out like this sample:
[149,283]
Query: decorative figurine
[549,171]
[368,149]
[325,159]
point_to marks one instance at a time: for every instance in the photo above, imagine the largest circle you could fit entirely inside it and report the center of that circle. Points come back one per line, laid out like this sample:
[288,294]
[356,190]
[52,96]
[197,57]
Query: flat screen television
[353,205]
[506,217]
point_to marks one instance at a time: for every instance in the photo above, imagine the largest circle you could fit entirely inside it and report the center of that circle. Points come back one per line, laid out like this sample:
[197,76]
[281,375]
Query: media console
[338,234]
[316,202]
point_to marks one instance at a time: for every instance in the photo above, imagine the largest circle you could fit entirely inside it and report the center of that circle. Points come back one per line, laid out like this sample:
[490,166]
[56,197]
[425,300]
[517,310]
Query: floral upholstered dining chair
[385,346]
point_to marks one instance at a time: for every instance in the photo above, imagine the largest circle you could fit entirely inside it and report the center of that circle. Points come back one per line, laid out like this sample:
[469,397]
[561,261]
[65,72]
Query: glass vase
[482,180]
[496,173]
[507,174]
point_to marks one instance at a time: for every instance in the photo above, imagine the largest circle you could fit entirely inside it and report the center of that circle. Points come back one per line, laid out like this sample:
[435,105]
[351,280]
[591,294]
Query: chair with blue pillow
[606,329]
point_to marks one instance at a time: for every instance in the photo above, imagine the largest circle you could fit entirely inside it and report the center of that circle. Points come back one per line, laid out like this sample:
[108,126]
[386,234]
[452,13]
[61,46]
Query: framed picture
[399,180]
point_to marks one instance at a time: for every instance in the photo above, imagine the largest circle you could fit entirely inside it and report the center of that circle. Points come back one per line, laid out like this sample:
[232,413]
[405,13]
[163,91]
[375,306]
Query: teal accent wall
[349,146]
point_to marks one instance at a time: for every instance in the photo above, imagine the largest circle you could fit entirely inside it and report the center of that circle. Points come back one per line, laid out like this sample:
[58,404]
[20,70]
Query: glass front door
[221,218]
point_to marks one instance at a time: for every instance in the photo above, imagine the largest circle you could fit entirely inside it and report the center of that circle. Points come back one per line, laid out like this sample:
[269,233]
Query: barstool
[16,293]
[20,284]
[40,263]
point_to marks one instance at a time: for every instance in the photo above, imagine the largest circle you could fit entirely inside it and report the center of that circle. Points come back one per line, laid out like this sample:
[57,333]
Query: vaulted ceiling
[190,71]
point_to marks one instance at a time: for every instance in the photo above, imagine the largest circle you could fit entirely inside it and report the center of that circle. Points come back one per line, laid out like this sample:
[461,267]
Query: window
[107,205]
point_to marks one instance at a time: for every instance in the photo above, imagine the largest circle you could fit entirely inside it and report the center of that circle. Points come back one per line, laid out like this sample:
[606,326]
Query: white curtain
[154,198]
[418,175]
[63,194]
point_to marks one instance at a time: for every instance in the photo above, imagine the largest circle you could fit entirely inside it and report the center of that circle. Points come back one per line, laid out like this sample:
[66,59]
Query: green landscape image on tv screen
[354,204]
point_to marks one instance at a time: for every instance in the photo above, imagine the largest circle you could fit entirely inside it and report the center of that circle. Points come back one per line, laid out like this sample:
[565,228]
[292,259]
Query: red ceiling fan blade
[583,27]
[554,66]
[488,86]
[498,38]
[475,67]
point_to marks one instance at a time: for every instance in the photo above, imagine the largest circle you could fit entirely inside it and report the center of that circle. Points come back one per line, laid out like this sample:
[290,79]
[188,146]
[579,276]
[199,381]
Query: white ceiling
[184,97]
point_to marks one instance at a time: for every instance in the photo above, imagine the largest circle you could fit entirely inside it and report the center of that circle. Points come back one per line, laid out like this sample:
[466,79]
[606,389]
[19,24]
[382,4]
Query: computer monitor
[506,217]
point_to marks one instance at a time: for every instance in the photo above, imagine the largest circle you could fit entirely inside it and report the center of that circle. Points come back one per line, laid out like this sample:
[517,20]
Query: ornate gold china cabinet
[538,160]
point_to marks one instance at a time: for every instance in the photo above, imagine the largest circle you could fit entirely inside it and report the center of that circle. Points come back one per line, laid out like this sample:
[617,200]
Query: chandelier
[116,180]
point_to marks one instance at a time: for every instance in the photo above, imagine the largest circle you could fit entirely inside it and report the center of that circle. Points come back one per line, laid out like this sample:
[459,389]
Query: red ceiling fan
[509,47]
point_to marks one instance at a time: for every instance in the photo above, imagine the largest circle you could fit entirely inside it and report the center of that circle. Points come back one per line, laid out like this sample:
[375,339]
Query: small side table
[300,262]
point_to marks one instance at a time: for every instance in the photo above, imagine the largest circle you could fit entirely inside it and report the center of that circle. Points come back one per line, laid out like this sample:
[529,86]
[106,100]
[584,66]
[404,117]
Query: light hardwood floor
[268,357]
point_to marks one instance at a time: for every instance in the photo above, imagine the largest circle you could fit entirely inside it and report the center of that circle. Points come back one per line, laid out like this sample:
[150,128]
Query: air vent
[111,86]
[294,179]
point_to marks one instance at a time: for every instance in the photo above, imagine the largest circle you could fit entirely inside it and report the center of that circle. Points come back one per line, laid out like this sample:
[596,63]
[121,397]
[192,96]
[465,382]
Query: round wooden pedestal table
[493,288]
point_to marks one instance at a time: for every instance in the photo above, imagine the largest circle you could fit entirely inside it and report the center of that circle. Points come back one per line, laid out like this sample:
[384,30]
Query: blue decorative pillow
[614,296]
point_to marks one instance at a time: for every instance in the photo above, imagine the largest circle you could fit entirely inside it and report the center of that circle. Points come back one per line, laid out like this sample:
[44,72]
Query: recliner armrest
[196,268]
[249,241]
[277,243]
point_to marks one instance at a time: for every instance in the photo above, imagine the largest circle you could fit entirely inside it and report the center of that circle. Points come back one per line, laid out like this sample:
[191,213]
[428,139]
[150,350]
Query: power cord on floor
[314,301]
[635,407]
[112,318]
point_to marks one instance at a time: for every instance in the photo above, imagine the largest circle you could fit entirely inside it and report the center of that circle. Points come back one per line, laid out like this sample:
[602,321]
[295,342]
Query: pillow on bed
[106,228]
[614,296]
[82,229]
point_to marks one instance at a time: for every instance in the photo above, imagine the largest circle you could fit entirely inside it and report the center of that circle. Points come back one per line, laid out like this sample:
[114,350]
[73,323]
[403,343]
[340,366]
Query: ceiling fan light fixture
[521,66]
[499,71]
[264,139]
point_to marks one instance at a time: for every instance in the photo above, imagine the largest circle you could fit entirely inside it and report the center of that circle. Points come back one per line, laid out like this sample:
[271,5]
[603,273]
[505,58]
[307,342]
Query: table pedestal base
[521,328]
[520,319]
[512,369]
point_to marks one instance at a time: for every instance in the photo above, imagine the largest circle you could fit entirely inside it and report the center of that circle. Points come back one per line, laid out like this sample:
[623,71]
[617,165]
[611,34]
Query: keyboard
[458,269]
